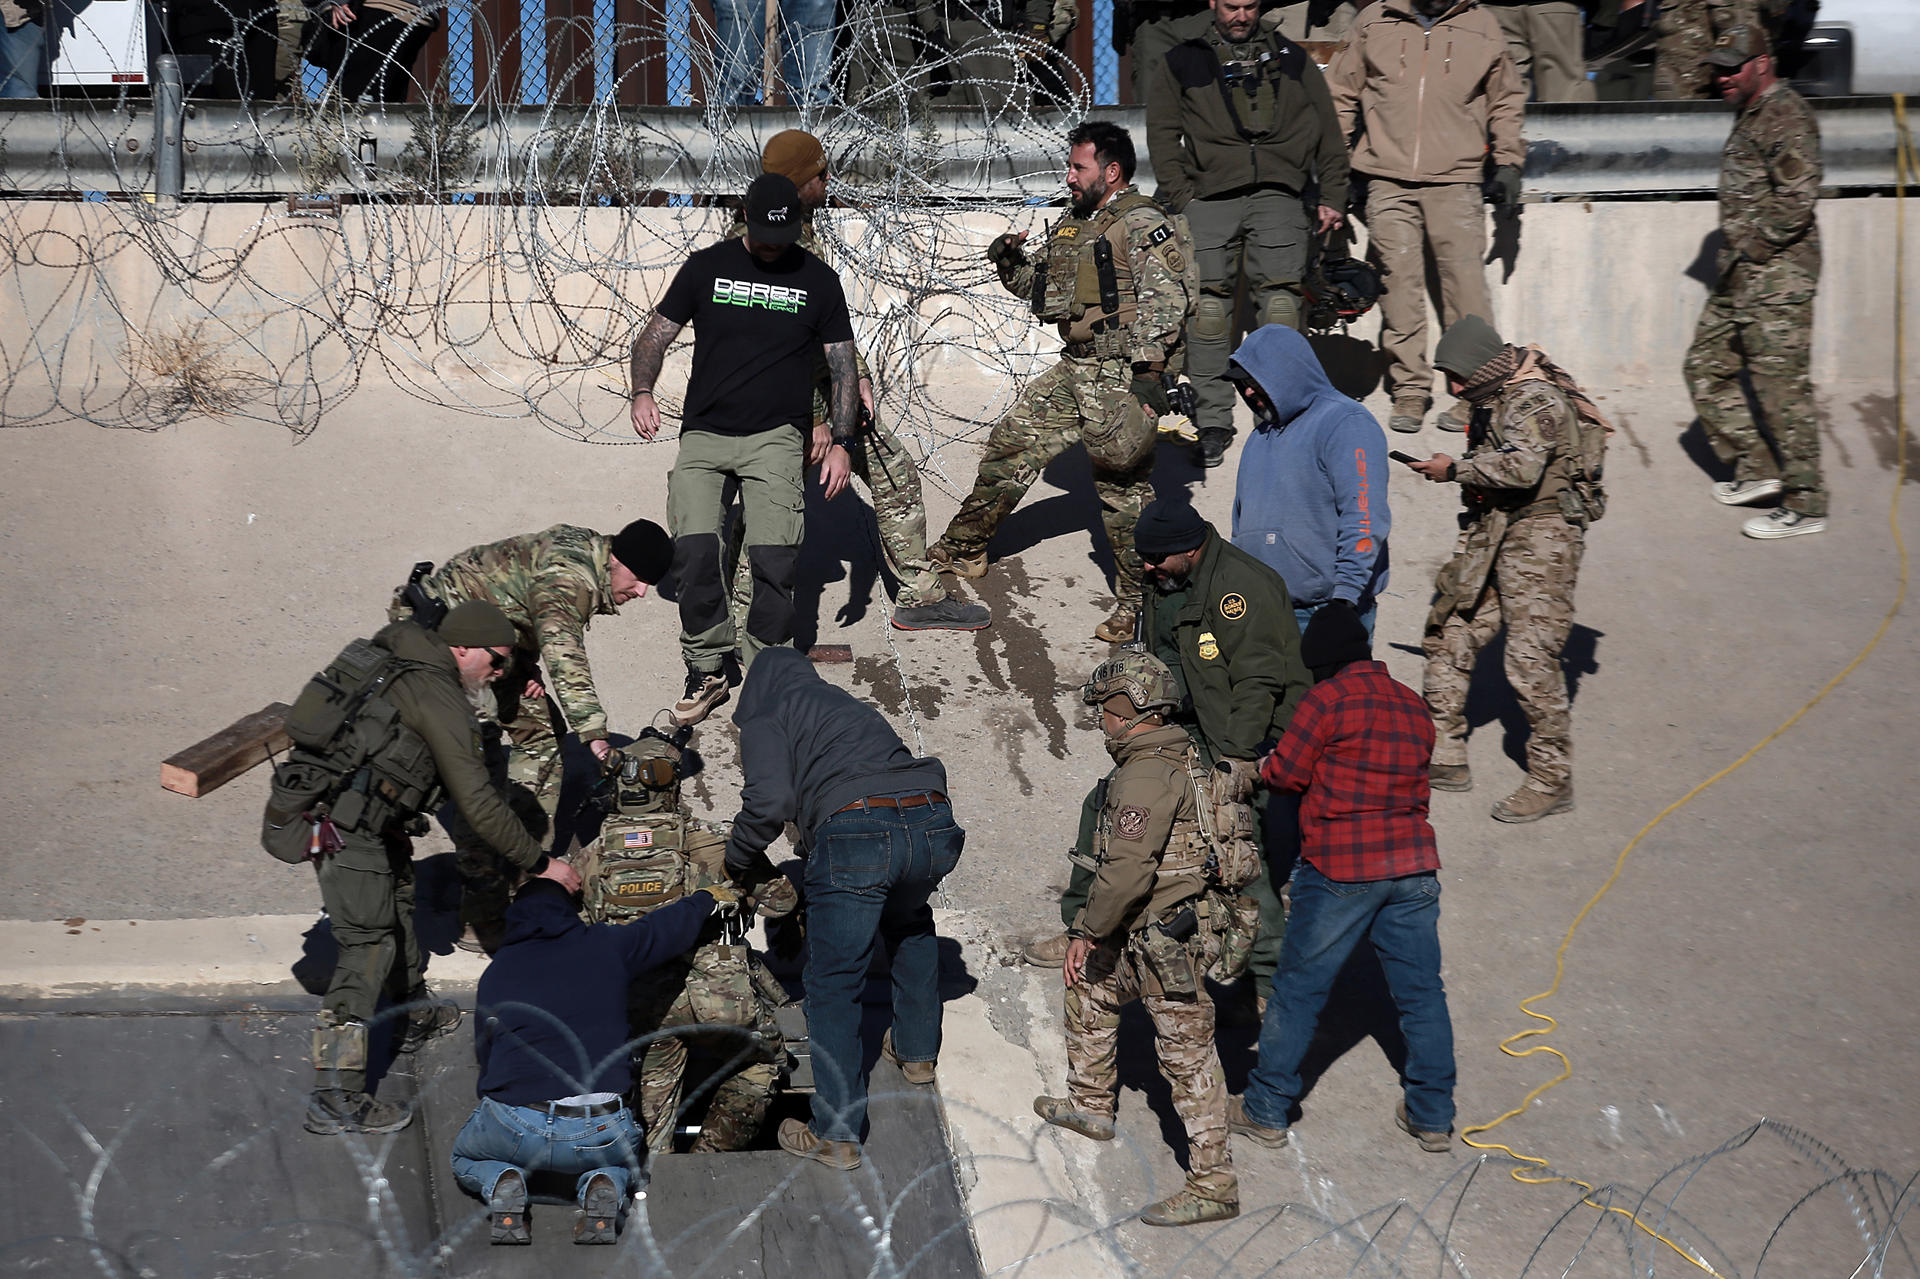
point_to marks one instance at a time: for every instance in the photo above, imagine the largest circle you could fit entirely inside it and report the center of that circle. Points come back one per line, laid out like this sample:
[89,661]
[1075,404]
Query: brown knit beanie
[795,154]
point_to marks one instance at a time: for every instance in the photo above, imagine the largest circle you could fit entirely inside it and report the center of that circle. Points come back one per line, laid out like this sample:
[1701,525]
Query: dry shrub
[188,362]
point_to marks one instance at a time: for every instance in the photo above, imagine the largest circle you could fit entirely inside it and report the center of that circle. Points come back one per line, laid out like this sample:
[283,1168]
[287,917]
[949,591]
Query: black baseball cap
[773,209]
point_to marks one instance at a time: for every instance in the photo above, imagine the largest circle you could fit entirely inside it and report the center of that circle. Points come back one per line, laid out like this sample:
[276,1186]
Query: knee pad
[696,567]
[770,616]
[1283,307]
[1212,318]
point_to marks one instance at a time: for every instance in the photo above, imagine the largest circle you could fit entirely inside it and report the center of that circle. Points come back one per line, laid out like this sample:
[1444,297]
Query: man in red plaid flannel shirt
[1357,750]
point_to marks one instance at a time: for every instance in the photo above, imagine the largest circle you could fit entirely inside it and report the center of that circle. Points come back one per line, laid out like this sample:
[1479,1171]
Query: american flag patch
[639,839]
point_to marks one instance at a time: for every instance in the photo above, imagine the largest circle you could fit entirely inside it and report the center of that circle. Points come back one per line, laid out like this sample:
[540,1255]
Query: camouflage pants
[899,511]
[1530,593]
[1047,422]
[522,737]
[713,989]
[1768,339]
[1685,36]
[1183,1041]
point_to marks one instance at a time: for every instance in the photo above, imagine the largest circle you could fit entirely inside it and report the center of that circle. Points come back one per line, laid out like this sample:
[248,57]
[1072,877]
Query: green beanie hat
[1467,346]
[476,624]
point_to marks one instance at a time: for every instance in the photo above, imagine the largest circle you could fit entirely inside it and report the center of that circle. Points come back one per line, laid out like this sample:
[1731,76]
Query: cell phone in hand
[1408,458]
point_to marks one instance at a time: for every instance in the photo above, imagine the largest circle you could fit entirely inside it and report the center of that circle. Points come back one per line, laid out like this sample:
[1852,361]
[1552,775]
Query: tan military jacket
[1769,186]
[1147,839]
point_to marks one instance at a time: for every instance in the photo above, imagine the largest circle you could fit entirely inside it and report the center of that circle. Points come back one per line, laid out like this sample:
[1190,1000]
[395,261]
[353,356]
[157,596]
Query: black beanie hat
[645,549]
[1168,526]
[477,624]
[1335,636]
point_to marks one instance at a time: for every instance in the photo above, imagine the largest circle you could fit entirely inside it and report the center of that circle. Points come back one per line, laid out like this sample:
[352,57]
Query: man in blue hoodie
[878,836]
[550,1031]
[1311,499]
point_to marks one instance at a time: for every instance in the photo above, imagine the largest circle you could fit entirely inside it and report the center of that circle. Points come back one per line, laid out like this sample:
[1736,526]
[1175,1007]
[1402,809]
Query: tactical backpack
[354,765]
[1583,498]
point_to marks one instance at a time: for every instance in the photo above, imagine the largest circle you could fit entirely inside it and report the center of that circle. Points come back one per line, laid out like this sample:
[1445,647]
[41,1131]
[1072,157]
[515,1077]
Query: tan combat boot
[339,1102]
[1061,1113]
[916,1072]
[1449,777]
[1121,625]
[1530,803]
[1048,952]
[1434,1143]
[1214,1197]
[1239,1121]
[798,1139]
[946,559]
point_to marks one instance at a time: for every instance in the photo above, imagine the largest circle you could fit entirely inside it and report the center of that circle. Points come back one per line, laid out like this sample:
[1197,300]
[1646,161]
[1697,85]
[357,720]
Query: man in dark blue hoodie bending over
[1311,498]
[550,1030]
[878,836]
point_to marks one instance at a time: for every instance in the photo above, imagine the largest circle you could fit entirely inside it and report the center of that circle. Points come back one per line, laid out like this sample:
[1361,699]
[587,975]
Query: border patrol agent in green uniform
[379,737]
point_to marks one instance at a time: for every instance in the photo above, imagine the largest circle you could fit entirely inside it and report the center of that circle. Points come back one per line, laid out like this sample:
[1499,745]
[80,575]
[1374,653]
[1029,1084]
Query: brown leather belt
[896,801]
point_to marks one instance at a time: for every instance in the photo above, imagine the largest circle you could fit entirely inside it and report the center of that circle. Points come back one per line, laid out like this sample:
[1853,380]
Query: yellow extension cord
[1535,1170]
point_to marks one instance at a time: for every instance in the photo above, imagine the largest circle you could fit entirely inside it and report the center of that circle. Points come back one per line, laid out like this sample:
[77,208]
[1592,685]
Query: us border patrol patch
[1132,823]
[1233,606]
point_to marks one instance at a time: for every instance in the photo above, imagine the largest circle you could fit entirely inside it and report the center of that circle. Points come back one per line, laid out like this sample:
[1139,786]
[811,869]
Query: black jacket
[551,1017]
[808,750]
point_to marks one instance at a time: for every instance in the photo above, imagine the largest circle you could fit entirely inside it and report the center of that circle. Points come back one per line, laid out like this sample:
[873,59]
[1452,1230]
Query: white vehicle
[100,43]
[1863,46]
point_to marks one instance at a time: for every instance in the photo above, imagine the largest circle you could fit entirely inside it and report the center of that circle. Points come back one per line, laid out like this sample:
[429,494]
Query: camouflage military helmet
[646,777]
[1142,677]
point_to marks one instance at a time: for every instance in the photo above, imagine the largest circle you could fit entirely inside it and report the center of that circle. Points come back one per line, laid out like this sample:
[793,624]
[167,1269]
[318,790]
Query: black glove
[1006,251]
[787,936]
[1503,188]
[1150,391]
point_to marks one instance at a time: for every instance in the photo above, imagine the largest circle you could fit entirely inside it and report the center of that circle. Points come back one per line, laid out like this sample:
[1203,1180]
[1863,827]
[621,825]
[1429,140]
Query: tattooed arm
[649,351]
[838,464]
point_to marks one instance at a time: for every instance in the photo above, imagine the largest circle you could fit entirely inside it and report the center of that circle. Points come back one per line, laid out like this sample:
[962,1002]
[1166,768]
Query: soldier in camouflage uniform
[879,460]
[552,585]
[1759,317]
[1515,565]
[1686,31]
[1121,309]
[650,852]
[1137,938]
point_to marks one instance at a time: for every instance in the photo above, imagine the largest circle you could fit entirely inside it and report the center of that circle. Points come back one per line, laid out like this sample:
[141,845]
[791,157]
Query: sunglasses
[498,659]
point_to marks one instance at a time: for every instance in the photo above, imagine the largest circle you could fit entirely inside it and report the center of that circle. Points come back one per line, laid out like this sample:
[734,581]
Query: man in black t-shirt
[762,308]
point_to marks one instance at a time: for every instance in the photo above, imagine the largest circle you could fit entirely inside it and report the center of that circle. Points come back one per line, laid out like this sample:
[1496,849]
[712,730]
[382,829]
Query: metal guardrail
[224,151]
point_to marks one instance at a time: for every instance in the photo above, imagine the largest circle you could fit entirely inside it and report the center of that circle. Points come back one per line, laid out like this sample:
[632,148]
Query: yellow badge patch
[1209,647]
[1233,607]
[1067,232]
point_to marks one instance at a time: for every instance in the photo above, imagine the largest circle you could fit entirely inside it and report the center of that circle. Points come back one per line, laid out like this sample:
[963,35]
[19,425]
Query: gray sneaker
[1406,417]
[1780,522]
[948,614]
[1745,492]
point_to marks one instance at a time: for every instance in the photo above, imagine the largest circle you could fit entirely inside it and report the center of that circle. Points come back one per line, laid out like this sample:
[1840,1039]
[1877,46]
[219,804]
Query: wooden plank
[831,652]
[219,759]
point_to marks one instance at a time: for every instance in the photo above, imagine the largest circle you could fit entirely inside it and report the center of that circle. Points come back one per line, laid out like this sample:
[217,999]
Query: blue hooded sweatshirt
[1311,499]
[550,1020]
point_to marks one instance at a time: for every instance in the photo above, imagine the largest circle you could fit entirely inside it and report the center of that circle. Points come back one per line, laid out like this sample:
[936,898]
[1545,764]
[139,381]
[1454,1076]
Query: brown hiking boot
[705,690]
[438,1017]
[507,1210]
[1060,1112]
[1252,1129]
[1121,625]
[798,1139]
[598,1220]
[331,1111]
[1190,1208]
[1530,804]
[1450,777]
[917,1072]
[946,559]
[1048,952]
[1406,416]
[1434,1143]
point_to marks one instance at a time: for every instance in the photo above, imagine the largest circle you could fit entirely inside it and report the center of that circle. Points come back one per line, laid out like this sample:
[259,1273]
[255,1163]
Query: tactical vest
[1571,484]
[1086,279]
[1214,847]
[353,763]
[641,862]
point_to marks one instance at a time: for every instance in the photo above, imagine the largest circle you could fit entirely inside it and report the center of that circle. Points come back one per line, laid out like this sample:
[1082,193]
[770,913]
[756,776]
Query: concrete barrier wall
[499,308]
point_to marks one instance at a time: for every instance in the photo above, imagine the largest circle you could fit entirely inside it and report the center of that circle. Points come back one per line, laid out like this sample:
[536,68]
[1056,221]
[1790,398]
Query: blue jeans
[1401,917]
[806,49]
[498,1139]
[20,60]
[1369,608]
[868,879]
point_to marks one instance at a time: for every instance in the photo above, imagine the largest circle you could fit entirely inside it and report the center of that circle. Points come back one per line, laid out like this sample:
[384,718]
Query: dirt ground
[1752,960]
